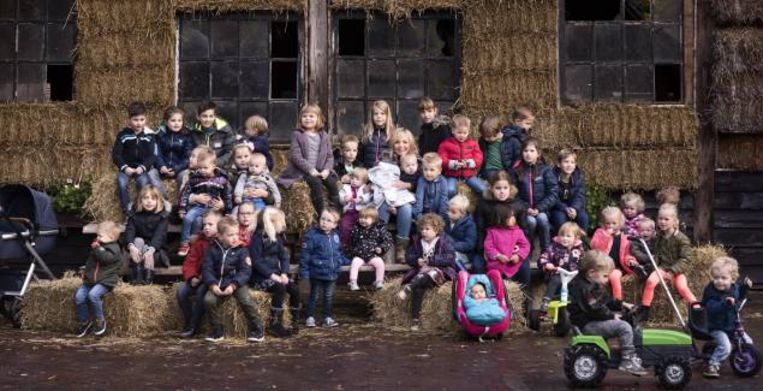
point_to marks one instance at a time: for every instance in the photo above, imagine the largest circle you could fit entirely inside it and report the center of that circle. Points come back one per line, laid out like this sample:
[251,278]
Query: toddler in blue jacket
[321,261]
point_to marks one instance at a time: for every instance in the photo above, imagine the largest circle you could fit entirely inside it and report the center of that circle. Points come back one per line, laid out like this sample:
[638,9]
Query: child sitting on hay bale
[461,157]
[610,239]
[646,232]
[192,284]
[434,128]
[433,261]
[514,135]
[226,272]
[632,206]
[175,146]
[237,168]
[271,270]
[431,189]
[256,135]
[100,277]
[377,133]
[255,182]
[490,145]
[146,235]
[572,192]
[354,196]
[214,132]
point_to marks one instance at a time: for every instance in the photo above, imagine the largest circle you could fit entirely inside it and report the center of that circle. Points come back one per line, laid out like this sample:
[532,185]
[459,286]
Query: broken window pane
[667,43]
[282,119]
[579,43]
[668,10]
[592,9]
[254,39]
[351,78]
[608,82]
[350,116]
[283,80]
[441,35]
[381,78]
[60,80]
[194,80]
[31,82]
[411,37]
[381,38]
[6,82]
[667,82]
[637,10]
[578,80]
[442,80]
[638,42]
[194,42]
[224,36]
[285,39]
[7,41]
[32,10]
[58,10]
[224,79]
[8,9]
[639,85]
[608,38]
[410,79]
[254,79]
[60,42]
[351,34]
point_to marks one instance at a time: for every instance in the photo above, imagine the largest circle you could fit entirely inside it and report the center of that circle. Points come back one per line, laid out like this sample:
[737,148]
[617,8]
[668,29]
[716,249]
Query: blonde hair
[672,211]
[403,133]
[597,261]
[204,155]
[154,192]
[431,220]
[271,219]
[227,223]
[371,212]
[490,126]
[460,202]
[408,157]
[260,158]
[634,199]
[460,120]
[360,173]
[349,138]
[333,212]
[426,103]
[724,262]
[109,228]
[612,211]
[255,125]
[389,125]
[669,195]
[565,153]
[202,149]
[312,108]
[239,147]
[646,221]
[432,158]
[573,228]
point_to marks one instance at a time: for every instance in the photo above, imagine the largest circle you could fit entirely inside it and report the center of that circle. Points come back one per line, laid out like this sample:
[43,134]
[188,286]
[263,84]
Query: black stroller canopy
[22,201]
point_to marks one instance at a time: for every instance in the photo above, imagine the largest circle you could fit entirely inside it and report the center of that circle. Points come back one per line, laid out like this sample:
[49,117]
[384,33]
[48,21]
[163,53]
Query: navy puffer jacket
[224,266]
[174,149]
[538,185]
[574,194]
[511,145]
[321,256]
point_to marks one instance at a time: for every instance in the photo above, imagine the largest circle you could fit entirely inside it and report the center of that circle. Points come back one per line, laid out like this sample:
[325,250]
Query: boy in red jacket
[461,157]
[192,285]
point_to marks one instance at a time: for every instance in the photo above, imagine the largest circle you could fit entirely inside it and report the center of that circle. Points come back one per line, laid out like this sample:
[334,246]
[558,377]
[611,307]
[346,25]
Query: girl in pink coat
[506,247]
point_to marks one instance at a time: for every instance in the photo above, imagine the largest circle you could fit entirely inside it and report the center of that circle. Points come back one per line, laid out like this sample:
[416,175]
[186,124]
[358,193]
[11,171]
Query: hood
[480,278]
[513,131]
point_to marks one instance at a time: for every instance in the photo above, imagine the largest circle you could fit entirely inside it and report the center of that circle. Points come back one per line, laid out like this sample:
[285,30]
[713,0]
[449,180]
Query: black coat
[268,257]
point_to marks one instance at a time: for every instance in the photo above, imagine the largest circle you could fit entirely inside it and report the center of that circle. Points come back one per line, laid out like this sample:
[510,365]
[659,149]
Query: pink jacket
[602,241]
[508,242]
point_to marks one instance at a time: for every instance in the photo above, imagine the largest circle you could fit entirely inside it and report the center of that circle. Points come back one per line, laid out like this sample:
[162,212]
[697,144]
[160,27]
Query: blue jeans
[723,346]
[327,287]
[475,183]
[191,222]
[540,225]
[156,179]
[192,312]
[559,217]
[90,296]
[404,218]
[123,183]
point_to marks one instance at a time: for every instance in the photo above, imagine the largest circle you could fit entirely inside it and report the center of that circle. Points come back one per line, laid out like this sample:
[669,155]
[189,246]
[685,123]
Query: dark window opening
[667,80]
[283,76]
[591,9]
[284,39]
[60,82]
[637,10]
[351,35]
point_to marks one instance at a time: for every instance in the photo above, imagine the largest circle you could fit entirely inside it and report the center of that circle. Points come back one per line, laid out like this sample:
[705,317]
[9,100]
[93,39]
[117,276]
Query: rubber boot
[136,275]
[401,245]
[276,328]
[295,319]
[149,279]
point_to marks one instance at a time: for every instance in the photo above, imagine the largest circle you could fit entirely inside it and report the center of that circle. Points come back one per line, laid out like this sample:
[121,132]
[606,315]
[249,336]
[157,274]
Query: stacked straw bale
[740,152]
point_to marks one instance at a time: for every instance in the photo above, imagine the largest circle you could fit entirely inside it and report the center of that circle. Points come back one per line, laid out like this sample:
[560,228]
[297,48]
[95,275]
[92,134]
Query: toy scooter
[557,309]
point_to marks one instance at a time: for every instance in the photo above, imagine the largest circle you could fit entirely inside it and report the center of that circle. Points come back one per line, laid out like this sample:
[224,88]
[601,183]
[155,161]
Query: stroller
[460,291]
[28,229]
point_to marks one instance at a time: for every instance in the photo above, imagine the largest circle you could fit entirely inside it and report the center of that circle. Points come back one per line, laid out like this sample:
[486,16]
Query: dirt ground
[358,354]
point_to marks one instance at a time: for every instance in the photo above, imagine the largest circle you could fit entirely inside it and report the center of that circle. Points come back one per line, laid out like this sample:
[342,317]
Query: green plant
[597,198]
[71,197]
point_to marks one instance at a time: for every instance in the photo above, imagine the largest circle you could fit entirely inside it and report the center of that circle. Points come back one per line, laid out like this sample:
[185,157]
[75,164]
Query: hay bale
[741,152]
[397,9]
[640,169]
[436,309]
[131,311]
[298,208]
[103,203]
[239,5]
[738,12]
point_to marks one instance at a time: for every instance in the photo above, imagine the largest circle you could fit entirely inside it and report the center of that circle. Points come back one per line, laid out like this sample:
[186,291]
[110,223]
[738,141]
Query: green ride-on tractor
[556,311]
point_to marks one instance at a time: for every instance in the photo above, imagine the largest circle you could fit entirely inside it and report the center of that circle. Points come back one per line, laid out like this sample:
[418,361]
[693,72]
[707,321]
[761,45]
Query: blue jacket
[371,152]
[321,257]
[431,197]
[174,149]
[538,185]
[268,257]
[511,145]
[720,314]
[464,234]
[134,150]
[574,195]
[224,266]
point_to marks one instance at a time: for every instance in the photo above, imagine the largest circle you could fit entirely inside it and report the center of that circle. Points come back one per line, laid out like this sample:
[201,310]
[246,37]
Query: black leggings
[316,191]
[419,286]
[553,286]
[279,290]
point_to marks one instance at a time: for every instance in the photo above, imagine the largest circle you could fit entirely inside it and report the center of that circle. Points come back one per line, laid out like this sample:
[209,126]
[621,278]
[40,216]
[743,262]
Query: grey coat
[298,166]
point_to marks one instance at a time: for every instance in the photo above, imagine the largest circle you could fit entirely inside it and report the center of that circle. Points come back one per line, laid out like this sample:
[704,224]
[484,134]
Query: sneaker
[415,324]
[100,327]
[329,322]
[255,336]
[183,250]
[310,321]
[403,294]
[713,371]
[379,285]
[354,286]
[215,336]
[187,333]
[633,366]
[83,329]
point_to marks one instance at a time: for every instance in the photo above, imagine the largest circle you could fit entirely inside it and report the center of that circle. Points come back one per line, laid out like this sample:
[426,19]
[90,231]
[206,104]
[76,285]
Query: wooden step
[93,227]
[178,270]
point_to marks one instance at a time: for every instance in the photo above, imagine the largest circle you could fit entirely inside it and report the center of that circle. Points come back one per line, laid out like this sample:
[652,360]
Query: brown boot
[401,245]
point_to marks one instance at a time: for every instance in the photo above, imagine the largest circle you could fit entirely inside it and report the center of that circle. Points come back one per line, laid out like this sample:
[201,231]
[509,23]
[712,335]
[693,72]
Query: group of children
[383,175]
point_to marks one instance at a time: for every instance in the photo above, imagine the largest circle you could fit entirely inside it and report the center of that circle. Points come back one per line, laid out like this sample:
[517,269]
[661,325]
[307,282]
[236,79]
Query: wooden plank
[318,54]
[740,237]
[708,139]
[739,181]
[738,218]
[178,270]
[92,227]
[735,201]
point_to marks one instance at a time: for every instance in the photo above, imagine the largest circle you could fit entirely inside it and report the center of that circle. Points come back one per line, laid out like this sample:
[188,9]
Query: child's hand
[195,282]
[276,278]
[747,281]
[203,198]
[549,267]
[164,170]
[139,170]
[514,259]
[170,172]
[134,253]
[229,290]
[422,262]
[392,209]
[216,290]
[348,198]
[218,204]
[325,173]
[181,214]
[532,212]
[502,258]
[315,173]
[285,279]
[572,213]
[731,301]
[400,185]
[378,250]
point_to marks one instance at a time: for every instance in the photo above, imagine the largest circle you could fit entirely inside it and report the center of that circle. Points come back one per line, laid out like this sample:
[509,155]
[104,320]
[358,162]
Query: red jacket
[602,241]
[451,151]
[195,257]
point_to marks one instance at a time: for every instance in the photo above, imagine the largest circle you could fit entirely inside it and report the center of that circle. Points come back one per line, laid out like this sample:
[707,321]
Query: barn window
[398,62]
[36,43]
[621,51]
[246,63]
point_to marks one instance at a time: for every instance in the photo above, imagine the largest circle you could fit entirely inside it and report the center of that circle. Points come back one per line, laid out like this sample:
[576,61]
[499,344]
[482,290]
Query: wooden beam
[707,143]
[317,56]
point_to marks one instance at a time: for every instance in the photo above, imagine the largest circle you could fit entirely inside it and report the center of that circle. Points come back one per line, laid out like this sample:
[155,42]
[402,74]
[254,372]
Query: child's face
[431,171]
[209,227]
[402,146]
[646,231]
[428,115]
[105,236]
[630,210]
[666,222]
[138,122]
[568,238]
[206,118]
[149,202]
[193,159]
[356,181]
[722,278]
[246,215]
[501,190]
[257,166]
[461,133]
[568,164]
[493,138]
[242,158]
[410,166]
[597,277]
[478,292]
[229,238]
[328,222]
[526,123]
[428,233]
[455,213]
[206,168]
[530,154]
[366,221]
[511,221]
[379,118]
[175,122]
[612,224]
[309,121]
[279,225]
[350,152]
